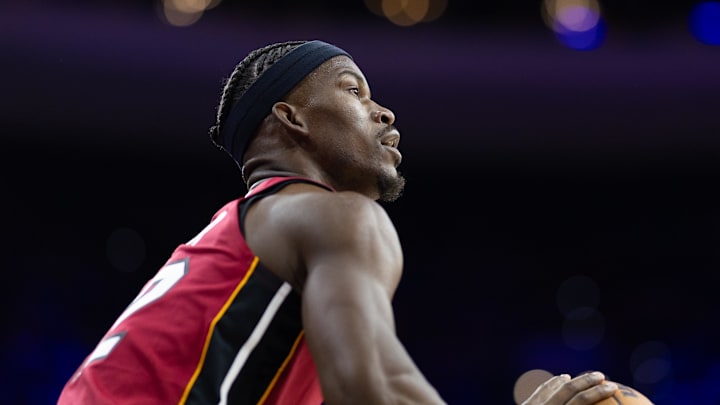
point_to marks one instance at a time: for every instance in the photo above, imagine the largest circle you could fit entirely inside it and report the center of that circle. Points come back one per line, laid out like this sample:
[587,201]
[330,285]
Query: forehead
[336,67]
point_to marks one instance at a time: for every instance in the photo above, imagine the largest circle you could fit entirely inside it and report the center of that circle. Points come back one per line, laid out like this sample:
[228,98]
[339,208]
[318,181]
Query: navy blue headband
[272,85]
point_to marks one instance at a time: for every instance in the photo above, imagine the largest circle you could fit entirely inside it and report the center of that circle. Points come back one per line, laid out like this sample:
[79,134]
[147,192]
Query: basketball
[625,396]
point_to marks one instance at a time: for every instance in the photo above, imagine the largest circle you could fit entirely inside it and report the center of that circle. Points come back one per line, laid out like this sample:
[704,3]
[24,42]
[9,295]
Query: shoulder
[347,204]
[345,223]
[310,211]
[307,208]
[304,227]
[349,231]
[333,221]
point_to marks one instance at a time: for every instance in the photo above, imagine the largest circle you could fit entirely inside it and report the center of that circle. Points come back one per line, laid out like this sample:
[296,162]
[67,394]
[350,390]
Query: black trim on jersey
[233,330]
[270,354]
[246,203]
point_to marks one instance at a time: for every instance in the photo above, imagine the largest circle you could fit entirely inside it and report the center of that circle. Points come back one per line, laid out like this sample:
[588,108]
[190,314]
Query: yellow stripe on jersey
[214,322]
[281,369]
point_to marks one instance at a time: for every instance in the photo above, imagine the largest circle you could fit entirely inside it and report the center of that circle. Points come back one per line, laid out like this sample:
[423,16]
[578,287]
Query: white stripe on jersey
[252,341]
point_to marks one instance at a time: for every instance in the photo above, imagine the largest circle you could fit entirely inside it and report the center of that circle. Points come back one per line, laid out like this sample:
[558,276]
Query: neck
[259,176]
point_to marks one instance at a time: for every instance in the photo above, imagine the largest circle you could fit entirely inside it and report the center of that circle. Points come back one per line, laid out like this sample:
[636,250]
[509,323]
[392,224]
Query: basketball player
[285,296]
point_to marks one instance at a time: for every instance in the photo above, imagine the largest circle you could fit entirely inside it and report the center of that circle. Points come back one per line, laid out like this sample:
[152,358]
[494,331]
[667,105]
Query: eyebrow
[353,73]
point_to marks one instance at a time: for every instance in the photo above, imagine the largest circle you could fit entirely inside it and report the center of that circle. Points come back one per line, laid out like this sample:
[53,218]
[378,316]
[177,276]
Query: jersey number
[161,283]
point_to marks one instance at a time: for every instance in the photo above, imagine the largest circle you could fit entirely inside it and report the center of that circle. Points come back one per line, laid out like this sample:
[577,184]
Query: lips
[396,154]
[391,140]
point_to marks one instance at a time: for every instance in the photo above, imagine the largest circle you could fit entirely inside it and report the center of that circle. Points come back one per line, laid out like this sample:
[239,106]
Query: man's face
[352,136]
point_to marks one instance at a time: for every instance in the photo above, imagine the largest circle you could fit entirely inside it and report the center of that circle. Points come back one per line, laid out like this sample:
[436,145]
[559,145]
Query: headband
[272,85]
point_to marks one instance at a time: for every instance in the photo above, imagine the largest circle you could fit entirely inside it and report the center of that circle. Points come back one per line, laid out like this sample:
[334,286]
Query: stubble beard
[391,187]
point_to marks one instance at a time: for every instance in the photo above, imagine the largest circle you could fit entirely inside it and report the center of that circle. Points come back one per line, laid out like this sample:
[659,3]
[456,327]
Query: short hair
[243,76]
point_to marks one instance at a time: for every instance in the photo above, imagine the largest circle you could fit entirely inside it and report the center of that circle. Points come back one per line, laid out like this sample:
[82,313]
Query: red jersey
[213,326]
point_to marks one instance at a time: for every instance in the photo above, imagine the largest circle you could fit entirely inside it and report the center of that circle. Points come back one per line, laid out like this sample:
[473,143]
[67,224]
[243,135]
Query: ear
[290,117]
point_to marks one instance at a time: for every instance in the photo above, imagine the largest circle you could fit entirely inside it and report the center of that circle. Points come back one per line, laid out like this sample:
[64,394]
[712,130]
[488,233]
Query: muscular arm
[342,252]
[353,262]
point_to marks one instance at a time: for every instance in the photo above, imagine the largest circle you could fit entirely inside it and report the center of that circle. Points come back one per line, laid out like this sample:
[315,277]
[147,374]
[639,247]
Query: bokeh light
[183,13]
[125,249]
[578,24]
[704,22]
[526,384]
[584,333]
[651,362]
[578,296]
[407,12]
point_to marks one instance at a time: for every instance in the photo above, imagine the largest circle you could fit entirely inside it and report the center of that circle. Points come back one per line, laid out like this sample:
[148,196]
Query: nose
[384,116]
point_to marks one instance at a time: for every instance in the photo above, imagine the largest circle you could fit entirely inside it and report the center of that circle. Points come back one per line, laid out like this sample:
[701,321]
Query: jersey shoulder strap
[276,183]
[266,187]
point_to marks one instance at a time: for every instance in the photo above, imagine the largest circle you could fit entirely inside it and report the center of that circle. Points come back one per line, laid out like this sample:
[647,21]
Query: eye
[355,91]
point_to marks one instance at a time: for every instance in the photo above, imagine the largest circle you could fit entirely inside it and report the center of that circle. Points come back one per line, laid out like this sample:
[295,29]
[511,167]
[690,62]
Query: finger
[545,390]
[554,383]
[594,394]
[577,385]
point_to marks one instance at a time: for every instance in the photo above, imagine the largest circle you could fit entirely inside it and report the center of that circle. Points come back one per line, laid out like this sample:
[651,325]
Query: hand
[585,389]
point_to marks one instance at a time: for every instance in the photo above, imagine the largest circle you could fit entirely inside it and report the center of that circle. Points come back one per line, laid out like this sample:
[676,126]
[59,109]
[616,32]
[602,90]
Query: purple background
[528,163]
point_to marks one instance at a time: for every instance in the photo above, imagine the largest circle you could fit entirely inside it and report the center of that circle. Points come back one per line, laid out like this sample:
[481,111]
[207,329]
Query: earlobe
[290,117]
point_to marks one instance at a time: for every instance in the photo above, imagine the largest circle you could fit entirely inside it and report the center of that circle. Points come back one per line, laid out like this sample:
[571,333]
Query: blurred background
[561,212]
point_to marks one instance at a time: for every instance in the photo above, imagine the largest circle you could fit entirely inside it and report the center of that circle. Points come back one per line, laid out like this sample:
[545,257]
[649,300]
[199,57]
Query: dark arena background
[562,161]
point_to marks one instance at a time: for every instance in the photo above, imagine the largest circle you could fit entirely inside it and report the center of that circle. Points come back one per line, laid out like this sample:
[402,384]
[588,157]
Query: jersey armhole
[247,201]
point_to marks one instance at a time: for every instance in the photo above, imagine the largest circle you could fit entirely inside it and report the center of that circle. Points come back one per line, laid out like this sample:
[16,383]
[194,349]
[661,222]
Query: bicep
[352,272]
[345,309]
[349,328]
[353,262]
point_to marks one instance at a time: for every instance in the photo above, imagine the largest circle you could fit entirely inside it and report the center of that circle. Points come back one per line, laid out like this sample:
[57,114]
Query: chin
[391,187]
